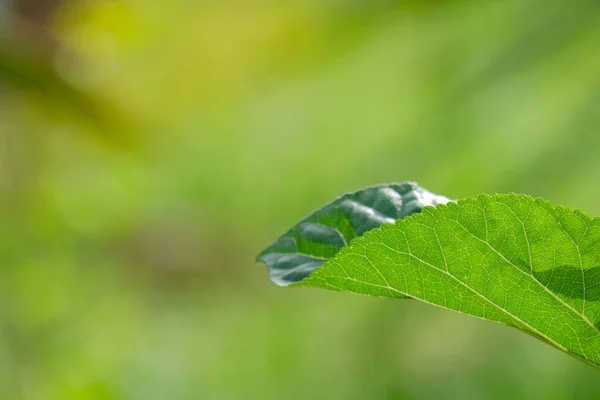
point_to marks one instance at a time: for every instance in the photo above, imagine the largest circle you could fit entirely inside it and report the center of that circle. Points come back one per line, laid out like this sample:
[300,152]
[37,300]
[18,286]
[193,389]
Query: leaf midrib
[475,292]
[393,289]
[577,313]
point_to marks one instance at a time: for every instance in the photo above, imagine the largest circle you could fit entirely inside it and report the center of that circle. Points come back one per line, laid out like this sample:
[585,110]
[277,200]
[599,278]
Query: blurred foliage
[149,150]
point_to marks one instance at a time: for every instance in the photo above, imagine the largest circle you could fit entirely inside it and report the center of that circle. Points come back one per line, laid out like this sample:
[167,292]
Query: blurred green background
[150,149]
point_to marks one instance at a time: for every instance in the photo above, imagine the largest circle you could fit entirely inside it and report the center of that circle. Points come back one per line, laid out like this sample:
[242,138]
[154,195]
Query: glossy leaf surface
[321,235]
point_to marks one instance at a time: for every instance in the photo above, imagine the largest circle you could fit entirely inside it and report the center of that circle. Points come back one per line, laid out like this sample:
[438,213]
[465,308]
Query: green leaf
[512,259]
[319,237]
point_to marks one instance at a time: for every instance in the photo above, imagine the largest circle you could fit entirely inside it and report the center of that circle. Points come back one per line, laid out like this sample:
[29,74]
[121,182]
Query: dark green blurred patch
[27,66]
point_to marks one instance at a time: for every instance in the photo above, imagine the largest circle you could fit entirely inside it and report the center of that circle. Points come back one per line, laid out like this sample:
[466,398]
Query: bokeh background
[150,149]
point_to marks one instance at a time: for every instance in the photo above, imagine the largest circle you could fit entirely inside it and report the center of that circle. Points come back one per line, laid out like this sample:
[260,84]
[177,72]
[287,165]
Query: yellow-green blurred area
[150,149]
